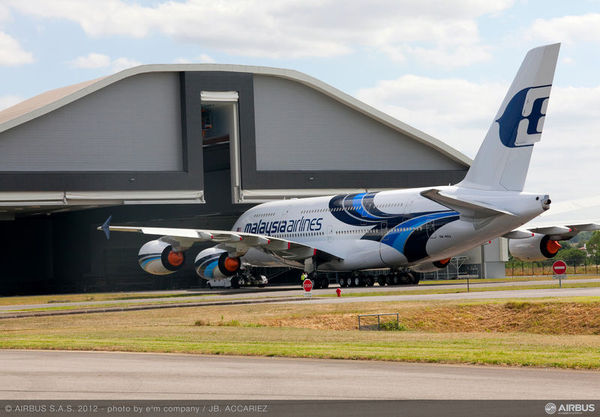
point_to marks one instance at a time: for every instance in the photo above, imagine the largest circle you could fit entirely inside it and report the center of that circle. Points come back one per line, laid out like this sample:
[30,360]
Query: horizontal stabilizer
[464,207]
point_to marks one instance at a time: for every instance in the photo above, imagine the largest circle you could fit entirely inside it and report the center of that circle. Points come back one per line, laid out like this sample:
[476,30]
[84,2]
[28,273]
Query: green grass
[257,330]
[520,350]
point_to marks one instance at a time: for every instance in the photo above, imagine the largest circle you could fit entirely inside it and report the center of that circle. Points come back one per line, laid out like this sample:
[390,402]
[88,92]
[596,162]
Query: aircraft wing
[239,242]
[556,231]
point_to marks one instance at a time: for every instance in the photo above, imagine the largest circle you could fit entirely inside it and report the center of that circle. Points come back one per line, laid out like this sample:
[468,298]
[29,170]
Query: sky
[441,66]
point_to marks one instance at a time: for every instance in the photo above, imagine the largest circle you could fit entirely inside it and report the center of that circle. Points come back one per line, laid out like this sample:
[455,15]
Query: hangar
[185,145]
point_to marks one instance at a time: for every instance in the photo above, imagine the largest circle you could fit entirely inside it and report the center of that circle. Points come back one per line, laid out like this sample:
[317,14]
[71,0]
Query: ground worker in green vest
[303,276]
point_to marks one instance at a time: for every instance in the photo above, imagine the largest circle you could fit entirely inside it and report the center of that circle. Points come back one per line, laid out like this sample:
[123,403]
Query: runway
[110,375]
[477,295]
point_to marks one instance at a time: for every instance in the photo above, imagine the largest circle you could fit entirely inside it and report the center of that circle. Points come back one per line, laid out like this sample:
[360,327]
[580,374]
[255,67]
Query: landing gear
[398,278]
[413,279]
[345,281]
[247,278]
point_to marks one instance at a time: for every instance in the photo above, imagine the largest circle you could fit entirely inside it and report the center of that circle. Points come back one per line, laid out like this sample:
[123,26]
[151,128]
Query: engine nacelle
[213,263]
[431,266]
[158,258]
[535,248]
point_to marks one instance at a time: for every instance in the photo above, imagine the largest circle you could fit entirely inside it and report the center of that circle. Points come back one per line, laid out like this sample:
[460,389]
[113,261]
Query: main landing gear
[246,278]
[356,280]
[393,278]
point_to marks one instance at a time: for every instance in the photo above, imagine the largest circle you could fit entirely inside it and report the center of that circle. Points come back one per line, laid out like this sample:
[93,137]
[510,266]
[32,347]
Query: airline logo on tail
[522,121]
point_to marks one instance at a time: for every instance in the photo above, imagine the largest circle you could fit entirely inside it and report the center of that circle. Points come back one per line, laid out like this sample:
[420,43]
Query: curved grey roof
[54,99]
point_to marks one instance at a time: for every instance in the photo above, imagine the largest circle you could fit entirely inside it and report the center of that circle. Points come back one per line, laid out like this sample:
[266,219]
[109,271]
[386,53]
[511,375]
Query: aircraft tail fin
[503,158]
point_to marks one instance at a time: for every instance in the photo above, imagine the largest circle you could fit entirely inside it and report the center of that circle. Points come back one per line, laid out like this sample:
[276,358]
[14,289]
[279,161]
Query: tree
[573,256]
[593,246]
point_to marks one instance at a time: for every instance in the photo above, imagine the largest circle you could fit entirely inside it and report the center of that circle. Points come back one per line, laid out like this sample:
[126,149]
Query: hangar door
[220,133]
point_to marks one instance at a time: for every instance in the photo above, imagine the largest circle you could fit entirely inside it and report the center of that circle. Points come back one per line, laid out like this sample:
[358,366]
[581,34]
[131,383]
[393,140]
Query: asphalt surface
[108,375]
[274,292]
[486,295]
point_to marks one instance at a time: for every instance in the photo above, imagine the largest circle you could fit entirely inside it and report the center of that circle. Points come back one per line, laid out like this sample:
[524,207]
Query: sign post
[560,271]
[308,286]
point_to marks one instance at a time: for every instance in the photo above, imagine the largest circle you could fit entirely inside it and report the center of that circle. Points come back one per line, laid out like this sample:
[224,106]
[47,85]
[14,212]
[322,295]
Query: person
[303,276]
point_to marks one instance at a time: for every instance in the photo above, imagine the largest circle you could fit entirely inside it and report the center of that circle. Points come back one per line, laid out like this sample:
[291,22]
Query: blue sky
[440,66]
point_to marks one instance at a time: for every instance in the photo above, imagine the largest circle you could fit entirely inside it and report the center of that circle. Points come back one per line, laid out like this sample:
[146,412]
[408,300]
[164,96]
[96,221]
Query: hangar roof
[51,100]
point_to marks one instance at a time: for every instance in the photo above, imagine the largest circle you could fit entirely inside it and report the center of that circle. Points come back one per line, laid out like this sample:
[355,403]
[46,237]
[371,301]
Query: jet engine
[431,266]
[216,263]
[159,258]
[536,248]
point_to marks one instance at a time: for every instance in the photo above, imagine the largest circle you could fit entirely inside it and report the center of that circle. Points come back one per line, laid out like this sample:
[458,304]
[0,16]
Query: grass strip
[516,333]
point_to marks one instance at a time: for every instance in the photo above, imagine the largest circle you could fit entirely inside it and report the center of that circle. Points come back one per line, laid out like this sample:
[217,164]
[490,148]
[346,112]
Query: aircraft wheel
[342,281]
[395,279]
[381,280]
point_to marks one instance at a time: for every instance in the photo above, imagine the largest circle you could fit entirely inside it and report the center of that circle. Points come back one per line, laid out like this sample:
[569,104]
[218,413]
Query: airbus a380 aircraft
[402,230]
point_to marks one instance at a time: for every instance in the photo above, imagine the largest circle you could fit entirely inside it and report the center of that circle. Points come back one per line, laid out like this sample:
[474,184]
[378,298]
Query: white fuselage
[388,229]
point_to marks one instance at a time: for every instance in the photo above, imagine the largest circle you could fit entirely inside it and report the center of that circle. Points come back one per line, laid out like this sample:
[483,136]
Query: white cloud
[423,29]
[459,113]
[11,52]
[94,60]
[206,59]
[568,29]
[452,110]
[91,60]
[120,64]
[202,59]
[9,100]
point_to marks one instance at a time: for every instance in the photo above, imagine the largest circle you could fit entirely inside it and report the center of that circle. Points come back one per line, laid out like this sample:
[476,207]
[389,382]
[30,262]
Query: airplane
[402,231]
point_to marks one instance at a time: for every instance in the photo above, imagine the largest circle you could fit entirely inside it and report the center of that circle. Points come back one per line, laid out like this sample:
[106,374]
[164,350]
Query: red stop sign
[307,284]
[559,267]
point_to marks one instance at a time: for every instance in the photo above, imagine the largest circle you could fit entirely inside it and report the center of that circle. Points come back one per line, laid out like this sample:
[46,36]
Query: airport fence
[519,268]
